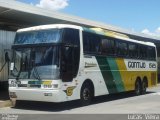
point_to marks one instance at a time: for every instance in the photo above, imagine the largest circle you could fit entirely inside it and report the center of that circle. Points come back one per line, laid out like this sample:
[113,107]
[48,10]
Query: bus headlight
[55,85]
[47,86]
[18,82]
[12,84]
[51,86]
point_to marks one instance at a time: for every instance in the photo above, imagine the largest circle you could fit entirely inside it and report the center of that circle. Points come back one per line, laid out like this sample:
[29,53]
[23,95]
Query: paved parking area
[125,103]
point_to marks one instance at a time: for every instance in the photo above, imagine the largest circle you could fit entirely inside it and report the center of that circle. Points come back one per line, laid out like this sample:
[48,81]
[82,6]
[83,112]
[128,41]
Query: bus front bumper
[38,95]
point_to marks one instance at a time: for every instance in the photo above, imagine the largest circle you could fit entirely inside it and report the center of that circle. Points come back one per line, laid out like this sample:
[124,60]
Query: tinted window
[108,46]
[71,36]
[91,43]
[121,48]
[142,52]
[133,50]
[151,53]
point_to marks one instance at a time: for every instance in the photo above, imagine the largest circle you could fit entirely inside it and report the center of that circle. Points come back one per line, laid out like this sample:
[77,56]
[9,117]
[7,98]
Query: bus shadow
[59,107]
[4,95]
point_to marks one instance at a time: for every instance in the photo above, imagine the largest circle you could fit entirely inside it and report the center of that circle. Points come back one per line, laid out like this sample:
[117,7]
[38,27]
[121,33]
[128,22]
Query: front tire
[86,94]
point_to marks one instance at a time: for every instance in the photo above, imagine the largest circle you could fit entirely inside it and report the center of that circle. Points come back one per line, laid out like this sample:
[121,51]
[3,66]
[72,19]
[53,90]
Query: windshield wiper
[17,78]
[19,72]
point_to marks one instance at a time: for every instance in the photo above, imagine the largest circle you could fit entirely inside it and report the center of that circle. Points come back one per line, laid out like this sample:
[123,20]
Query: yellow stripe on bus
[47,82]
[125,75]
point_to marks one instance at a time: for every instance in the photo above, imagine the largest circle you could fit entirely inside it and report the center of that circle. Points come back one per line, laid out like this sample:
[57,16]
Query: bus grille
[29,86]
[22,85]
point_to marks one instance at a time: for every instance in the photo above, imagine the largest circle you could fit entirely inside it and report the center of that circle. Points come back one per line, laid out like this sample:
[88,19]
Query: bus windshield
[38,62]
[40,36]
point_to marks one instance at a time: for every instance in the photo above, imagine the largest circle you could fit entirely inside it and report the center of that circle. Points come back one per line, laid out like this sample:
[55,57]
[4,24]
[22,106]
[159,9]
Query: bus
[62,62]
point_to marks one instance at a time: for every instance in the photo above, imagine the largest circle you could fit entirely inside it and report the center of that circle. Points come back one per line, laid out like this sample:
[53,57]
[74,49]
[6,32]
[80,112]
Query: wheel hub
[86,94]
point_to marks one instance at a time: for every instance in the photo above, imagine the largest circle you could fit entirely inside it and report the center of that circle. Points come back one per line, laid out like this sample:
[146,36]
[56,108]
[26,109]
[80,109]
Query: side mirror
[7,59]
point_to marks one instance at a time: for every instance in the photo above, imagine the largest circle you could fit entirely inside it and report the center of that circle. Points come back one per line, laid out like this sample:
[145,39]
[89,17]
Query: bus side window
[151,54]
[86,42]
[142,52]
[133,50]
[108,46]
[71,36]
[122,48]
[91,43]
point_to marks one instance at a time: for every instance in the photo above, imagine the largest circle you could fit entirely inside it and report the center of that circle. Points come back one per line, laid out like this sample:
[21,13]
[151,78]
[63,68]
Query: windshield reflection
[36,63]
[41,36]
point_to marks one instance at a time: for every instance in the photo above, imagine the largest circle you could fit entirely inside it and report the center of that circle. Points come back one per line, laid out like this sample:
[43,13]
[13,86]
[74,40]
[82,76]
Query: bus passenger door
[67,64]
[70,54]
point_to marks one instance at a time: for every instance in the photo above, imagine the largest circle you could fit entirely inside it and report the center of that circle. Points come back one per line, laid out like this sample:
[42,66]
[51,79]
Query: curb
[6,103]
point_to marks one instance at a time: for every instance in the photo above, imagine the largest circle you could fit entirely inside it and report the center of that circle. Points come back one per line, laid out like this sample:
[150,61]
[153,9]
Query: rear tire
[137,88]
[86,94]
[144,87]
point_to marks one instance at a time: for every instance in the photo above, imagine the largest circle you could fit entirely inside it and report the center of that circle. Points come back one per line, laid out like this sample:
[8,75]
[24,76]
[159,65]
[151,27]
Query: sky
[136,15]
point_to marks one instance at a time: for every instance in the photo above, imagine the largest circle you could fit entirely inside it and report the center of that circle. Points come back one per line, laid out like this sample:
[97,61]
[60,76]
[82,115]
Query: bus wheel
[86,94]
[144,87]
[137,88]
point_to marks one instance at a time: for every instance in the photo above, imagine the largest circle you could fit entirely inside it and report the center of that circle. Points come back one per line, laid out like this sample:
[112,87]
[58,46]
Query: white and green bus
[60,62]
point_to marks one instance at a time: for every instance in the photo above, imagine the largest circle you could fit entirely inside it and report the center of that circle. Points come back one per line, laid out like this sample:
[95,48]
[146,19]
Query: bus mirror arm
[7,59]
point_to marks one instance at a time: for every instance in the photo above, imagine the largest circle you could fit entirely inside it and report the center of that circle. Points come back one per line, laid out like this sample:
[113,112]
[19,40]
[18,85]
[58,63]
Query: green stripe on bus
[35,82]
[116,74]
[107,74]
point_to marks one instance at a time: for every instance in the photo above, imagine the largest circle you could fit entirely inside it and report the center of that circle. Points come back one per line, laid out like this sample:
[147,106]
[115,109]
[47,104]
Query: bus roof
[92,30]
[116,35]
[44,27]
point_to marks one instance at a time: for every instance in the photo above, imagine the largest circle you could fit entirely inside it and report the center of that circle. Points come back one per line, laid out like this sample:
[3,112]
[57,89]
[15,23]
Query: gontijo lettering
[136,64]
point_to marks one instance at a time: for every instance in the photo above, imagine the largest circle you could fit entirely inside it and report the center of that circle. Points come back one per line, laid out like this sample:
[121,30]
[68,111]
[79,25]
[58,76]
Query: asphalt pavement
[120,105]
